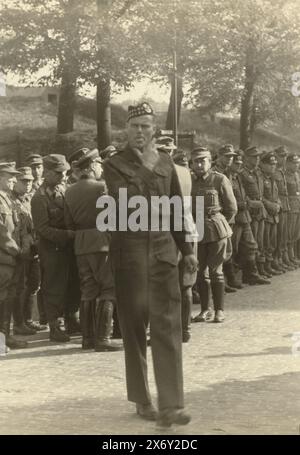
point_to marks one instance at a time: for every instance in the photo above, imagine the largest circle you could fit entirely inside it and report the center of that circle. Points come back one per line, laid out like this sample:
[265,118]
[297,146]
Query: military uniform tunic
[146,278]
[282,230]
[293,187]
[272,204]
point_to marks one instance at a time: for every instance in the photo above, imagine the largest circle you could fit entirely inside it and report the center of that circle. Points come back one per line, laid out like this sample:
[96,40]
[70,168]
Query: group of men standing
[51,248]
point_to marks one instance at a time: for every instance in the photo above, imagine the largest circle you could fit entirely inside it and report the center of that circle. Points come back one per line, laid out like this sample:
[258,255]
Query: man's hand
[190,263]
[149,155]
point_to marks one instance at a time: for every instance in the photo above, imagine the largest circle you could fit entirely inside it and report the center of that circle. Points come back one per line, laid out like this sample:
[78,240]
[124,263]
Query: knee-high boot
[87,322]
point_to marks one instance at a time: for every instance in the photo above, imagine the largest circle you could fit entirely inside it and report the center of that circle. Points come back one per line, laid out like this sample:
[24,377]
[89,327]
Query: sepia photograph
[149,220]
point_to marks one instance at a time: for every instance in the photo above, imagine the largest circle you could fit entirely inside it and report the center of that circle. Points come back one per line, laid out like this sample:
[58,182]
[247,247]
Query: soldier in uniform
[29,282]
[281,254]
[35,161]
[223,165]
[186,280]
[11,252]
[293,187]
[219,211]
[55,248]
[146,273]
[91,250]
[272,205]
[253,184]
[244,245]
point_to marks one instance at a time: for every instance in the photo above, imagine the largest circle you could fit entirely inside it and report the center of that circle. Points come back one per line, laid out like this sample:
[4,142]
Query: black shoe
[252,280]
[57,334]
[105,346]
[12,343]
[169,417]
[146,411]
[88,343]
[204,316]
[36,326]
[23,329]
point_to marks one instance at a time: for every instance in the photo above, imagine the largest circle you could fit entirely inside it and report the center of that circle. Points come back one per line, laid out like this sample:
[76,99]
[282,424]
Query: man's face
[37,171]
[201,165]
[23,186]
[252,161]
[53,178]
[7,181]
[268,168]
[140,131]
[291,166]
[225,160]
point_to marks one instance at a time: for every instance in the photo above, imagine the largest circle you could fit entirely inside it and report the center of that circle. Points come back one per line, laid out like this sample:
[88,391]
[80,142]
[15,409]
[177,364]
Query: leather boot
[230,275]
[116,326]
[218,299]
[287,262]
[204,293]
[251,275]
[262,270]
[291,255]
[72,324]
[10,341]
[103,326]
[270,270]
[87,322]
[186,308]
[275,264]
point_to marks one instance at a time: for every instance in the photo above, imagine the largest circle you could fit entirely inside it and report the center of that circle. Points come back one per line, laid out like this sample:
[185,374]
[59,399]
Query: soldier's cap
[166,143]
[9,168]
[268,158]
[109,151]
[252,151]
[75,156]
[293,158]
[34,160]
[89,157]
[226,150]
[25,173]
[200,152]
[281,151]
[56,162]
[180,157]
[139,110]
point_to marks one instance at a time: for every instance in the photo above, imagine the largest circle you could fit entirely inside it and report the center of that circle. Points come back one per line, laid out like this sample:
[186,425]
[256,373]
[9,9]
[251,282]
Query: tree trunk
[66,104]
[170,116]
[103,114]
[247,101]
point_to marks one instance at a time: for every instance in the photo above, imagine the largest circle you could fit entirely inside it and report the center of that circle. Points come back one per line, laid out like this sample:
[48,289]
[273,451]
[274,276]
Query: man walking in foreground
[146,273]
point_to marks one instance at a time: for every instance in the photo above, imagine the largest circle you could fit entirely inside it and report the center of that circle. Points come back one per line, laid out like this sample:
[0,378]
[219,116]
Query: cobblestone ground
[241,377]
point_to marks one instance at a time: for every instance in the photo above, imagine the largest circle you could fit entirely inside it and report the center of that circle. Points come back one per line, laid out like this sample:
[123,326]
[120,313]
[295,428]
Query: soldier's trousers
[27,287]
[282,235]
[59,288]
[244,245]
[147,289]
[258,228]
[270,239]
[8,287]
[293,232]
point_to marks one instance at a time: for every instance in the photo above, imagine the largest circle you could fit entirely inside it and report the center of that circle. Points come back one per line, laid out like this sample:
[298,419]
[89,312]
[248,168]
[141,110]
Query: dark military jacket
[10,236]
[48,217]
[271,199]
[71,180]
[220,205]
[293,187]
[23,205]
[281,182]
[243,215]
[223,170]
[252,181]
[81,215]
[126,170]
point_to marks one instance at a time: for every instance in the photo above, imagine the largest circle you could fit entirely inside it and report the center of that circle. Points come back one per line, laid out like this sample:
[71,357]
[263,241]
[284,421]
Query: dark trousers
[147,290]
[60,287]
[244,245]
[270,239]
[282,235]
